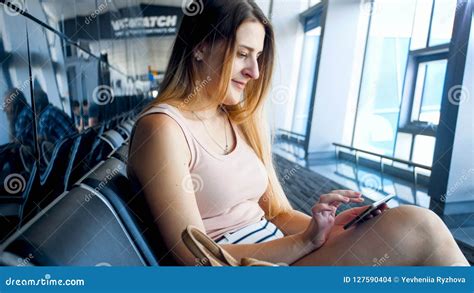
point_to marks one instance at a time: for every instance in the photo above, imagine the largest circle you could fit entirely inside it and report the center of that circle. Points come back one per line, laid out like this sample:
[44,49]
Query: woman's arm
[291,223]
[159,158]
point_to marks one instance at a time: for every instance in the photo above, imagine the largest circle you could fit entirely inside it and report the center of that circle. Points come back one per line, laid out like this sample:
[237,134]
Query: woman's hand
[324,214]
[348,215]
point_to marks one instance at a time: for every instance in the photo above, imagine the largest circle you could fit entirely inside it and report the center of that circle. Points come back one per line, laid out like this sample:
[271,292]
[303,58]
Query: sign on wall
[138,21]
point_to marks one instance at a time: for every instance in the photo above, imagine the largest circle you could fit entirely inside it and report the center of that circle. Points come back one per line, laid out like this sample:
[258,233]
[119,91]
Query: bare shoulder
[160,134]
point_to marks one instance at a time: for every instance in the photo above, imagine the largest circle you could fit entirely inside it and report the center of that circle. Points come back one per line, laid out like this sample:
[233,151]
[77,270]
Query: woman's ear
[199,52]
[198,55]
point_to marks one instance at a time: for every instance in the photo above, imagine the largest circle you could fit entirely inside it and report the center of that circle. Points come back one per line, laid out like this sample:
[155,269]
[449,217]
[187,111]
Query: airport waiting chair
[125,128]
[121,153]
[80,228]
[80,163]
[53,177]
[108,142]
[109,178]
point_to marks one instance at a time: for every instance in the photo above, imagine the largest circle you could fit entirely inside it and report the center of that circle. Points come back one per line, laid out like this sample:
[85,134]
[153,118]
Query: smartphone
[369,210]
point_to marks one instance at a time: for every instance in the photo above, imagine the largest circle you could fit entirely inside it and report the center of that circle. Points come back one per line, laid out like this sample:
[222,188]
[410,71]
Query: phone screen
[369,209]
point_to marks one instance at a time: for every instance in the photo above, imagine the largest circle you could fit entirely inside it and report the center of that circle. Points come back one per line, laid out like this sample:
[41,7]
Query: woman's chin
[232,99]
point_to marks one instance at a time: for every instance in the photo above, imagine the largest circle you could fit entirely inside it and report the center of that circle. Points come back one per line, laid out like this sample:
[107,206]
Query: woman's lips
[239,85]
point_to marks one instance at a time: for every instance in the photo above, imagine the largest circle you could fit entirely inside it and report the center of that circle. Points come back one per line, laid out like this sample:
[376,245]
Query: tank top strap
[173,113]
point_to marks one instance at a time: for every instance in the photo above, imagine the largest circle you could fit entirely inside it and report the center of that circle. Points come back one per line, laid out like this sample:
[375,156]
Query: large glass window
[404,68]
[383,75]
[306,78]
[442,23]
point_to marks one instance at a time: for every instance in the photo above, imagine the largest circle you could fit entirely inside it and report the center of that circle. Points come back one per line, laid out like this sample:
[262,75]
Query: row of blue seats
[102,220]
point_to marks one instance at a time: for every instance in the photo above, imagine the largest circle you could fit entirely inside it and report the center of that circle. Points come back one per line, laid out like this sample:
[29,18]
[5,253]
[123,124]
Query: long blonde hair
[217,24]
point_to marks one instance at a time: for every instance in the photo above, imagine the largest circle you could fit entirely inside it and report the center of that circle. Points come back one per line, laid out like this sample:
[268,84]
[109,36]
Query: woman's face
[249,45]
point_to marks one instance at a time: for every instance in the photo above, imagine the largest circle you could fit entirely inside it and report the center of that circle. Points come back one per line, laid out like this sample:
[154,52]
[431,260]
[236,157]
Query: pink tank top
[227,187]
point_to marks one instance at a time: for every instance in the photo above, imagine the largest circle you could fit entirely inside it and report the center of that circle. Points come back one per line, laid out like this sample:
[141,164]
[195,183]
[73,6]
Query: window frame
[406,125]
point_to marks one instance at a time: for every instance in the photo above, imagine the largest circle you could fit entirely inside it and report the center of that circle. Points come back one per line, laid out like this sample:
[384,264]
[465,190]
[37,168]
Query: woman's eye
[243,55]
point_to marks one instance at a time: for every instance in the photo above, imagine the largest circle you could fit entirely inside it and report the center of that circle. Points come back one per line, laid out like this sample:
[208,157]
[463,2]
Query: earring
[198,56]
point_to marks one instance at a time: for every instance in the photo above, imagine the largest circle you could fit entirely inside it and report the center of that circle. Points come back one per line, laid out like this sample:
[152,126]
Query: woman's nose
[252,70]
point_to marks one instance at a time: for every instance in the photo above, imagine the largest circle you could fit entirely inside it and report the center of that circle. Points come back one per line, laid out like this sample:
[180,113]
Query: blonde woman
[202,156]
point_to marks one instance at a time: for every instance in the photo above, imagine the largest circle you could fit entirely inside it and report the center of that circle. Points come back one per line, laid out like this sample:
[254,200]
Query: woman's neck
[210,113]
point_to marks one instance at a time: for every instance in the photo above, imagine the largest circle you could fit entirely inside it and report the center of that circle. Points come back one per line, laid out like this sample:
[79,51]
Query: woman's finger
[320,207]
[331,197]
[348,193]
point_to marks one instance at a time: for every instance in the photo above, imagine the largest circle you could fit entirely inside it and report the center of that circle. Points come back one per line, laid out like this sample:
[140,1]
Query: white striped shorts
[255,233]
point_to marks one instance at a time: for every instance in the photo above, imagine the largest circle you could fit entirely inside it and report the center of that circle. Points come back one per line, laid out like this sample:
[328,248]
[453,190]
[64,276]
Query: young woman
[202,157]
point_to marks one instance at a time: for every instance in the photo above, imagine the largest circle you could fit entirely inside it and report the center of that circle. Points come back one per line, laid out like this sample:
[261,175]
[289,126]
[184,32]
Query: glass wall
[59,93]
[403,78]
[383,75]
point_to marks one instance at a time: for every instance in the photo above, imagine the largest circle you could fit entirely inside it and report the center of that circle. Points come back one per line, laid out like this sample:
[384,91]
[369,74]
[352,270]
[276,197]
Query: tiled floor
[303,182]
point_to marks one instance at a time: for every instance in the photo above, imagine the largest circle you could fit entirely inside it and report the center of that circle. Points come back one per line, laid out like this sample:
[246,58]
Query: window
[306,78]
[428,91]
[403,78]
[383,75]
[442,22]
